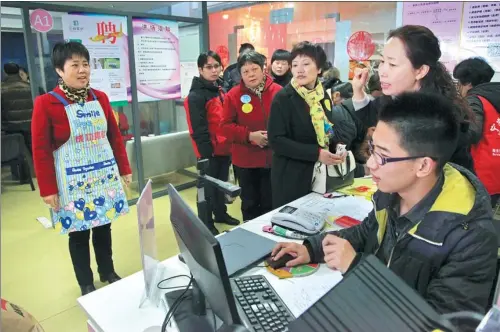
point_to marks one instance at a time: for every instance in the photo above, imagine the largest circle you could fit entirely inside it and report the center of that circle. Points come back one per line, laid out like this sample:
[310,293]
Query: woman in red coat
[244,123]
[79,156]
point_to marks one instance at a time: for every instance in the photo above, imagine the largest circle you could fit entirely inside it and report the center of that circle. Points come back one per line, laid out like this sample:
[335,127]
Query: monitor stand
[201,202]
[191,314]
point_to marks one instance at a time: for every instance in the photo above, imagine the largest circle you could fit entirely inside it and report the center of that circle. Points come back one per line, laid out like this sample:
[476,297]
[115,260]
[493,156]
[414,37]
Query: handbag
[327,179]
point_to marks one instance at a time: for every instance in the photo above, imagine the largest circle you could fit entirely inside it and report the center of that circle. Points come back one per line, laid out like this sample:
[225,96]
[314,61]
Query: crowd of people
[431,146]
[430,143]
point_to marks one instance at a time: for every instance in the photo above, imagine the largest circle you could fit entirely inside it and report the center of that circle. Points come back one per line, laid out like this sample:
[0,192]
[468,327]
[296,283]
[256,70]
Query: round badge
[328,104]
[245,99]
[247,108]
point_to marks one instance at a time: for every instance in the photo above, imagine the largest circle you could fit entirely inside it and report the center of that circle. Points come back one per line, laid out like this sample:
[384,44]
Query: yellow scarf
[322,126]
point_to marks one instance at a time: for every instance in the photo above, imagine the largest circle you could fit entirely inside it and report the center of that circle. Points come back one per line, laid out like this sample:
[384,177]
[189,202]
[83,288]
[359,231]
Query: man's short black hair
[252,57]
[281,55]
[374,83]
[344,88]
[11,68]
[313,51]
[63,52]
[427,124]
[246,47]
[474,71]
[203,58]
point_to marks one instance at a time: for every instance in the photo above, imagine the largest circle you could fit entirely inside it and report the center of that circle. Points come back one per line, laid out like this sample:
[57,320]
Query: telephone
[299,220]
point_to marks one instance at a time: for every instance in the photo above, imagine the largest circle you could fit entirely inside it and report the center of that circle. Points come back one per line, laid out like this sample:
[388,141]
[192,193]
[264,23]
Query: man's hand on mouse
[296,250]
[339,253]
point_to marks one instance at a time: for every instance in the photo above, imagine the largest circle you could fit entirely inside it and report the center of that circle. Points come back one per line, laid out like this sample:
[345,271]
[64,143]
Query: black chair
[14,152]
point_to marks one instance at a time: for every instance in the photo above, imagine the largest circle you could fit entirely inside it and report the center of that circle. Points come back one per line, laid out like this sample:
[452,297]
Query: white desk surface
[115,308]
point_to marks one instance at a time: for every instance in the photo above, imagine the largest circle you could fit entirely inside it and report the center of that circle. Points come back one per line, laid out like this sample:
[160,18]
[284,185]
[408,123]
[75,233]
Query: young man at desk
[432,221]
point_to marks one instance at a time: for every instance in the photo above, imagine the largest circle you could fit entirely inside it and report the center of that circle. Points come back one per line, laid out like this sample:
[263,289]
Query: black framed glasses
[381,160]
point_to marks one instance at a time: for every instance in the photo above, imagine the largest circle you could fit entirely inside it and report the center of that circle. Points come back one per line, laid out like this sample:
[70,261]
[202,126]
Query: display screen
[288,209]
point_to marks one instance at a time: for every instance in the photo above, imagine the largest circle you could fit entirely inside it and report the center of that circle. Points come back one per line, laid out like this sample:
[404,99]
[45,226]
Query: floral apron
[90,191]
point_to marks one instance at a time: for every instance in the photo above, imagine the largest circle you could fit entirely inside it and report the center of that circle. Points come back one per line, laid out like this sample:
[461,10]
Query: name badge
[328,105]
[245,99]
[246,108]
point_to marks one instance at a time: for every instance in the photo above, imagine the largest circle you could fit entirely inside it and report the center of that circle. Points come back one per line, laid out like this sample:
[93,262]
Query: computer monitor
[203,255]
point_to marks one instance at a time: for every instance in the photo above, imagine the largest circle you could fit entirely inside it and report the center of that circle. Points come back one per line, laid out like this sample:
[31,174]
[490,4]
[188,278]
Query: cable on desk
[175,305]
[182,298]
[171,278]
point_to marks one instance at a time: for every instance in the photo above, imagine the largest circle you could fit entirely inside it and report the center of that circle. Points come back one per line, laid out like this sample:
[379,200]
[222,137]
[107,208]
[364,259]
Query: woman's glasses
[212,67]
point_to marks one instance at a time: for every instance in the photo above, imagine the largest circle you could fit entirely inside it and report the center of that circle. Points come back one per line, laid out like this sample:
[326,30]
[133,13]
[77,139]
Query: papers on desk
[299,294]
[352,206]
[362,187]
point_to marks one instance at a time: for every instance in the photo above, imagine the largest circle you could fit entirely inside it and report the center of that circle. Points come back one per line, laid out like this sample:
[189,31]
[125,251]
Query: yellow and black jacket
[449,256]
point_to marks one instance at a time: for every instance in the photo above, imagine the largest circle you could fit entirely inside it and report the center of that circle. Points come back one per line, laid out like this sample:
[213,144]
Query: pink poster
[481,31]
[442,18]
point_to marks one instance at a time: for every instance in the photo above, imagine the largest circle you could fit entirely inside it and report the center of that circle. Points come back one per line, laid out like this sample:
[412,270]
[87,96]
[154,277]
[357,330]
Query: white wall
[374,22]
[189,40]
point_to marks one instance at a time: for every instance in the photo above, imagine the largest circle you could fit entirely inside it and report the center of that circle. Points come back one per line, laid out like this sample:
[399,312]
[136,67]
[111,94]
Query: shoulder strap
[93,94]
[59,97]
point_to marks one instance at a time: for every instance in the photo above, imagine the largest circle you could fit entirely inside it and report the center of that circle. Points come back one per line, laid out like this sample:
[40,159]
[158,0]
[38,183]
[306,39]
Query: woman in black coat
[296,137]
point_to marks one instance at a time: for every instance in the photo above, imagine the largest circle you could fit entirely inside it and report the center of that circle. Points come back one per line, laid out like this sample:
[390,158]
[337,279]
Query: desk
[115,308]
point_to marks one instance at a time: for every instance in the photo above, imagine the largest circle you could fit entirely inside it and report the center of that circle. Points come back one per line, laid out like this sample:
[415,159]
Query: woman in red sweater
[79,156]
[244,123]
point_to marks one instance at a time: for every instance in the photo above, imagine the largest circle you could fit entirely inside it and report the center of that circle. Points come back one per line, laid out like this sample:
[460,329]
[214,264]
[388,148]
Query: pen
[329,195]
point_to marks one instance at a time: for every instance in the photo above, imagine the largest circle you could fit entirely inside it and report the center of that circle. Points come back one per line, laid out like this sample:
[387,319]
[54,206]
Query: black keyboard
[263,308]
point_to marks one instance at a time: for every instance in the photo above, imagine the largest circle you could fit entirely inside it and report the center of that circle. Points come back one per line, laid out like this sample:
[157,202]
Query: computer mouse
[280,262]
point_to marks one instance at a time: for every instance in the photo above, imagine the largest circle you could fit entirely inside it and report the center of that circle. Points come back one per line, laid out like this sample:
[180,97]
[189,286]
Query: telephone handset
[299,220]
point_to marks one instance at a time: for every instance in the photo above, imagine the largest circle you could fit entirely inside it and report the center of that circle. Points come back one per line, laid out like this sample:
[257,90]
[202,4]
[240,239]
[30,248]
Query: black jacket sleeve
[465,281]
[278,134]
[476,125]
[199,125]
[363,119]
[356,236]
[344,128]
[226,84]
[368,115]
[230,77]
[360,128]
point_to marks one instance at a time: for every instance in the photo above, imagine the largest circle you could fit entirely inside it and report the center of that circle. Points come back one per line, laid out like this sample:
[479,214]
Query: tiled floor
[36,271]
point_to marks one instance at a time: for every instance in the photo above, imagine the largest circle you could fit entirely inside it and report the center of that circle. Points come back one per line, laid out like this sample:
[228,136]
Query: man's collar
[417,213]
